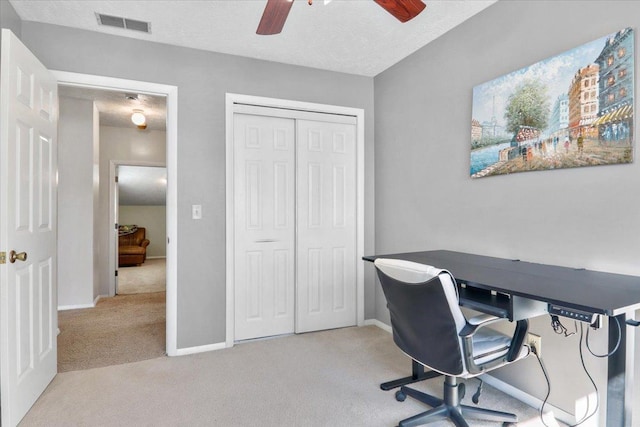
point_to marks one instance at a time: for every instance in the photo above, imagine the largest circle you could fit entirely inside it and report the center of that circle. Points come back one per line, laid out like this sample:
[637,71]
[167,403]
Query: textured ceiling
[116,107]
[142,185]
[351,36]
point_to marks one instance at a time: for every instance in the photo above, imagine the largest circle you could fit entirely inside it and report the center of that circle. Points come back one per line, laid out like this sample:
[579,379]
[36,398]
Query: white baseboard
[200,349]
[157,257]
[379,324]
[74,307]
[77,306]
[506,388]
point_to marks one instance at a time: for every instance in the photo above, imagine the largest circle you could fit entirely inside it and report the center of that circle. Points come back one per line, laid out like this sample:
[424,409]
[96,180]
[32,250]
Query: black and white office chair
[429,326]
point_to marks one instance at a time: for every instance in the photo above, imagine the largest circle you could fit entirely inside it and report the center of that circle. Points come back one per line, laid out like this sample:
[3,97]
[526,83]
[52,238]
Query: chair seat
[489,344]
[131,250]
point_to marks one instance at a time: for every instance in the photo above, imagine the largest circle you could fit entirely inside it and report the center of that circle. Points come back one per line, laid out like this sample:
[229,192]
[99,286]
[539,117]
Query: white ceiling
[351,36]
[116,107]
[142,185]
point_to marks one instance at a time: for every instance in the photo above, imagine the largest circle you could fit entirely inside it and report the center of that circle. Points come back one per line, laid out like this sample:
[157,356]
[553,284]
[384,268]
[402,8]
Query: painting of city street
[571,110]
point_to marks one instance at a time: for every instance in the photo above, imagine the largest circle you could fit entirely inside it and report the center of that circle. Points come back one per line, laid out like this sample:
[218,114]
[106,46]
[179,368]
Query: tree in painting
[527,106]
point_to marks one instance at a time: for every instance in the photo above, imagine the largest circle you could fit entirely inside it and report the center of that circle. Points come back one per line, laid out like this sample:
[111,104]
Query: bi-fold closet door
[295,221]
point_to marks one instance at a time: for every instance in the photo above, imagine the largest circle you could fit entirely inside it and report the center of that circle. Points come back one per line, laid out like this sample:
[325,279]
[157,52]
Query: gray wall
[75,202]
[425,199]
[202,79]
[9,18]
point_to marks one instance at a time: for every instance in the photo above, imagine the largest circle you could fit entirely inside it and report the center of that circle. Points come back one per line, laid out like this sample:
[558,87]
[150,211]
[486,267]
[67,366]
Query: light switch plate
[196,211]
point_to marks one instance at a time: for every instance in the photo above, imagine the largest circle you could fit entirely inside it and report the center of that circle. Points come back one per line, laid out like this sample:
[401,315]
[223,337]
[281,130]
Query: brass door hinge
[3,257]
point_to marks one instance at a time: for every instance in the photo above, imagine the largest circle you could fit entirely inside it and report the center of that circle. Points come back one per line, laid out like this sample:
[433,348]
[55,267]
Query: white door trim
[171,92]
[232,101]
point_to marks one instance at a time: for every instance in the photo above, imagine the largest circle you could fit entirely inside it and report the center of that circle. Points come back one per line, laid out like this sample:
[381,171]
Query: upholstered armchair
[132,247]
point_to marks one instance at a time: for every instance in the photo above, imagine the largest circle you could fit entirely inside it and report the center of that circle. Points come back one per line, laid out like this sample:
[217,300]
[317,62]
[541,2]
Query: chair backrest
[132,239]
[425,313]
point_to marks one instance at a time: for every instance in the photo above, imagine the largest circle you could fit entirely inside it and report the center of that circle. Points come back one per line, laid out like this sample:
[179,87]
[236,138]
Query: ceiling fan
[276,11]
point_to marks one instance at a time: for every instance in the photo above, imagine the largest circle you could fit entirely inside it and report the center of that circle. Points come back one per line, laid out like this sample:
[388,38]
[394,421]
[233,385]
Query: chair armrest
[484,319]
[476,323]
[145,243]
[519,335]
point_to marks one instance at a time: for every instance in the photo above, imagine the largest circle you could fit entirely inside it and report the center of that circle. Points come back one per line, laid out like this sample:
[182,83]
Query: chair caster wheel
[400,396]
[508,424]
[462,390]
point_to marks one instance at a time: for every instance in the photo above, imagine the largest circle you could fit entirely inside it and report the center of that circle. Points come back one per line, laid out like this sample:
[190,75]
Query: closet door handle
[266,241]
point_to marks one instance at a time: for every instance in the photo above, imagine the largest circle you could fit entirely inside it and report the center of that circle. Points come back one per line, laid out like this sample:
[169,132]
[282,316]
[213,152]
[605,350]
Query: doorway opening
[104,287]
[140,209]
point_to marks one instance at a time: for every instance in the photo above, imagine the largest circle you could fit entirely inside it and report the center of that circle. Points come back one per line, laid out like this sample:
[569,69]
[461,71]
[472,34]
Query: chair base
[417,374]
[449,407]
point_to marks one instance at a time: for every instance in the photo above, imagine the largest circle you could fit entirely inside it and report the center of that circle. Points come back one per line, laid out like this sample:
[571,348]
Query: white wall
[154,220]
[85,233]
[75,203]
[122,145]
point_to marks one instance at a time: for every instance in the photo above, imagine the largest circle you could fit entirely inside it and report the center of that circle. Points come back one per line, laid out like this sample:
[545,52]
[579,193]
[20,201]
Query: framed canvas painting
[571,110]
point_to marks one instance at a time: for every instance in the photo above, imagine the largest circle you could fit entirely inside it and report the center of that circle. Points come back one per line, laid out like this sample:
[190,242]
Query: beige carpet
[151,276]
[328,378]
[122,329]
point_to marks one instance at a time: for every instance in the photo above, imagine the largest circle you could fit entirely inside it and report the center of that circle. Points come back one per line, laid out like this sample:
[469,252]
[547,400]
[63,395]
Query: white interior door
[264,209]
[326,225]
[28,166]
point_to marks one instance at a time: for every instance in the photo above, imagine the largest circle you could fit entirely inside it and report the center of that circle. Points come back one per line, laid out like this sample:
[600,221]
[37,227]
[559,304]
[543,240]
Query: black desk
[613,295]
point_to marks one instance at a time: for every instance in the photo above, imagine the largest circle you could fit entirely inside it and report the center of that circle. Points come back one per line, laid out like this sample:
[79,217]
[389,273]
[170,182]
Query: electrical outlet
[535,341]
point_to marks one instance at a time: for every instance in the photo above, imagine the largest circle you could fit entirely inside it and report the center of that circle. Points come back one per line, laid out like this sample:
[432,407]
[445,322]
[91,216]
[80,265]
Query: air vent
[126,23]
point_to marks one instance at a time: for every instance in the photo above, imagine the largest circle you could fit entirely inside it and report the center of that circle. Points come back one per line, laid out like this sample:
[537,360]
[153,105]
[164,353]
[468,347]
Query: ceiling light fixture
[138,118]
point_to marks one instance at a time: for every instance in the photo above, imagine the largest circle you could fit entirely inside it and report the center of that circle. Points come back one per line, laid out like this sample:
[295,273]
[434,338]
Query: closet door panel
[264,206]
[326,227]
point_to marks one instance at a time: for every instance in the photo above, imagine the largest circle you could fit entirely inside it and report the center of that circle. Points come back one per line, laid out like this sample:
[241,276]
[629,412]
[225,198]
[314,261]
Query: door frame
[113,206]
[233,99]
[171,92]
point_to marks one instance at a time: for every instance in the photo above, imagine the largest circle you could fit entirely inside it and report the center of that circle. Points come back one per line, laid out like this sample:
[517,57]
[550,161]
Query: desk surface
[591,291]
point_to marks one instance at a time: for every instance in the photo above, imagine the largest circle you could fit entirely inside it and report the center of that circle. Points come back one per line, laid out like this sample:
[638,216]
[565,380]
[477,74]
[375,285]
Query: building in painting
[476,131]
[490,128]
[559,119]
[583,100]
[615,119]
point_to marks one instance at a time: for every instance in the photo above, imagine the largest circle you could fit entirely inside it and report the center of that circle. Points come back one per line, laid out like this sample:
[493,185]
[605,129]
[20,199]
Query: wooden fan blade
[403,10]
[274,16]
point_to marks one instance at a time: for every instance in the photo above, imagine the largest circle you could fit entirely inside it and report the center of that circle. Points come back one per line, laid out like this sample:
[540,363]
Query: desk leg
[418,374]
[620,375]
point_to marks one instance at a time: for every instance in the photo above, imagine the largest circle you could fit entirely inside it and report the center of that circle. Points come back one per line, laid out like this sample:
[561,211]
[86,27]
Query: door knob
[13,256]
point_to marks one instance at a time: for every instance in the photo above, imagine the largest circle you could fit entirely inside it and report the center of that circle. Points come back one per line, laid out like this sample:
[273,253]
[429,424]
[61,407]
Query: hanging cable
[586,371]
[546,377]
[614,349]
[562,330]
[559,328]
